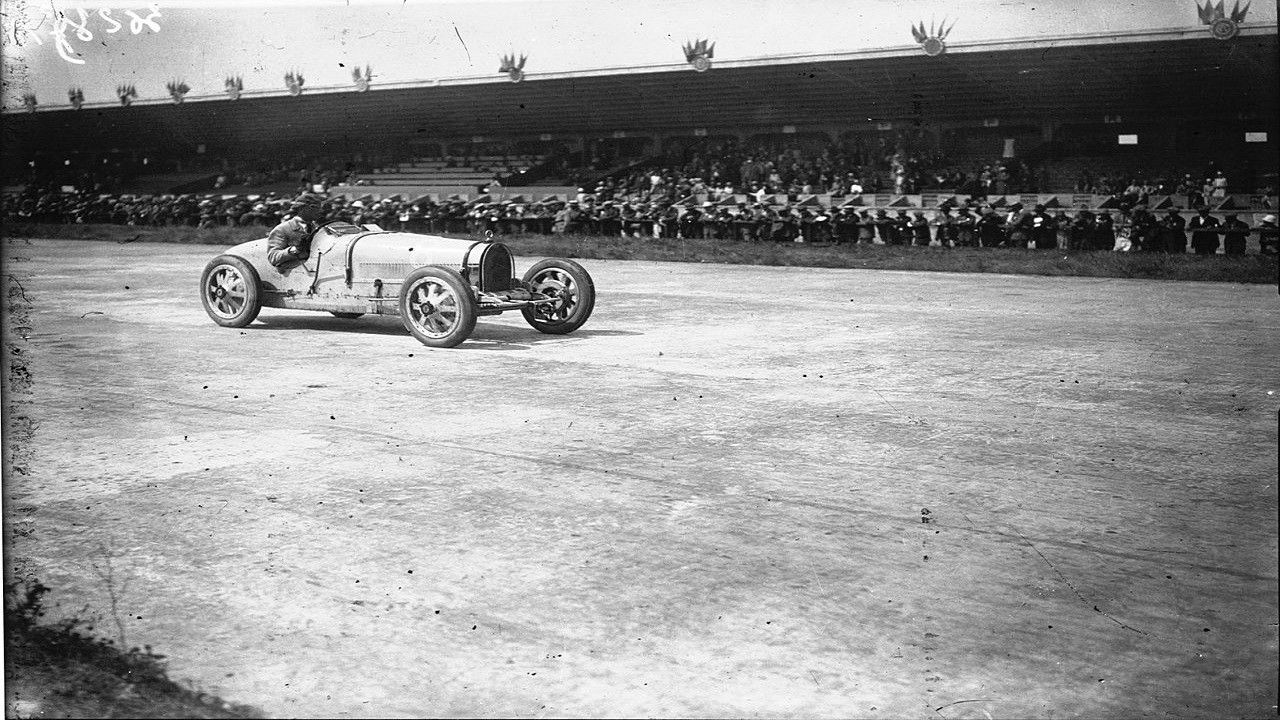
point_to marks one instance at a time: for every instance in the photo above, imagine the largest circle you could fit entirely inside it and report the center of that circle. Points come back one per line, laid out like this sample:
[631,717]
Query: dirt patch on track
[737,490]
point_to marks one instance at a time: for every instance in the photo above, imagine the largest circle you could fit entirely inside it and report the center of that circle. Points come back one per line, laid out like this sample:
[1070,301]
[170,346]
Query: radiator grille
[496,267]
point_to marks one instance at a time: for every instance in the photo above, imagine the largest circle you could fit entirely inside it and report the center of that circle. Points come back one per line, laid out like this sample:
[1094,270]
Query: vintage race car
[438,286]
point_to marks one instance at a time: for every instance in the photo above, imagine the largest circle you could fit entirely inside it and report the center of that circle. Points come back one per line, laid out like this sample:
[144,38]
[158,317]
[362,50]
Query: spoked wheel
[230,291]
[572,293]
[437,306]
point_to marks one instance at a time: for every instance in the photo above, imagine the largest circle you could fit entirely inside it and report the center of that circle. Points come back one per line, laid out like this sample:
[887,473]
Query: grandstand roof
[1157,74]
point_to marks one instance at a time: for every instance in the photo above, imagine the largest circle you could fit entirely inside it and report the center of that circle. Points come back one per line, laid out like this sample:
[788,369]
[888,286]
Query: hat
[306,200]
[1269,219]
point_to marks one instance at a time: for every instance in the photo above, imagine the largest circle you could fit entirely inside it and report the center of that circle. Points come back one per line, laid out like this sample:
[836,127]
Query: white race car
[438,286]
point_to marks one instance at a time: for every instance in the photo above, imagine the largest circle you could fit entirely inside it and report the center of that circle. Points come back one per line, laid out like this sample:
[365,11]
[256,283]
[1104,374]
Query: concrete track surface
[738,491]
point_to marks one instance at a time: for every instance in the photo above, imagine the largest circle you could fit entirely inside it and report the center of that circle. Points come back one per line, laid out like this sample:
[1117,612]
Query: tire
[346,316]
[437,306]
[574,292]
[231,291]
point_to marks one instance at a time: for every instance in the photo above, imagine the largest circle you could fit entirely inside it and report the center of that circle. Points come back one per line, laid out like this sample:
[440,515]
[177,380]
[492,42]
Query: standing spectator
[1019,224]
[1064,229]
[844,226]
[1044,232]
[1268,238]
[866,228]
[884,228]
[901,228]
[1205,241]
[920,229]
[1236,235]
[990,228]
[1219,183]
[1173,236]
[689,224]
[964,225]
[1104,232]
[947,229]
[1143,230]
[1016,236]
[1081,232]
[564,217]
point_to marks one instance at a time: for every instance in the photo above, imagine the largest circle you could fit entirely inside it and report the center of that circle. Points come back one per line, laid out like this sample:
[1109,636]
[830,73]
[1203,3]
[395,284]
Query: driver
[290,240]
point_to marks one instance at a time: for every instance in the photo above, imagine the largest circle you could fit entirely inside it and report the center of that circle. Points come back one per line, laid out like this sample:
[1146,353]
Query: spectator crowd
[852,166]
[754,219]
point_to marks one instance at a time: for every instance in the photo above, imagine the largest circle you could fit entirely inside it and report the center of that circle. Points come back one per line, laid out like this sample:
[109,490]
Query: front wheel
[437,306]
[572,293]
[230,291]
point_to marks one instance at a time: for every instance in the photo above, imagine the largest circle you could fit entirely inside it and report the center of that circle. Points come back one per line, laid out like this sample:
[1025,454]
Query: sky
[201,42]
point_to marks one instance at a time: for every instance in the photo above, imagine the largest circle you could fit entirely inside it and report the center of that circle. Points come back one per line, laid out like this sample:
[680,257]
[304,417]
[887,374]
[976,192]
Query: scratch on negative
[464,42]
[940,707]
[1073,587]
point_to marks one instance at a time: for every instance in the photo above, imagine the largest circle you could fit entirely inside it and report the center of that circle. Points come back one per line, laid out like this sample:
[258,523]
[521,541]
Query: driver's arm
[285,244]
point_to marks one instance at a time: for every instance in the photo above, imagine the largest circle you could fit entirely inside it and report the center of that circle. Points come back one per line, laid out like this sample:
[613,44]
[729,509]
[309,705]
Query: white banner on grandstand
[1126,139]
[1252,137]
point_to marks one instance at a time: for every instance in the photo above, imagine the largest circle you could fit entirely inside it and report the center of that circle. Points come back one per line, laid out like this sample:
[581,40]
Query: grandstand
[1151,104]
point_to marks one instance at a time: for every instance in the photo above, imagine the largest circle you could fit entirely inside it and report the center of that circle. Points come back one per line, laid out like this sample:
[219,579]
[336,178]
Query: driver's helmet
[307,200]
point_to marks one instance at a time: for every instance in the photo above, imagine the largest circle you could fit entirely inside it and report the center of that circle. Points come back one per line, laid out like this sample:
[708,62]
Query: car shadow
[369,324]
[486,336]
[491,337]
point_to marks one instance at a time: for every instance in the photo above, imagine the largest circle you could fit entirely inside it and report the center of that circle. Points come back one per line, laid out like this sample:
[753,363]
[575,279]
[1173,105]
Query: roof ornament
[1222,27]
[699,54]
[294,80]
[513,69]
[29,101]
[127,94]
[362,81]
[76,96]
[933,41]
[178,90]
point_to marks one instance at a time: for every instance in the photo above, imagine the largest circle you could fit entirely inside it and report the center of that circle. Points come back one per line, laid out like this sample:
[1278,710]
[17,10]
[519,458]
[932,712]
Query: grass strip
[1012,261]
[60,670]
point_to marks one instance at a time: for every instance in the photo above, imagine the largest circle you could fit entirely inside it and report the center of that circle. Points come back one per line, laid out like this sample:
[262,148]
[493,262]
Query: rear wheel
[230,291]
[572,293]
[437,306]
